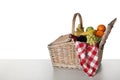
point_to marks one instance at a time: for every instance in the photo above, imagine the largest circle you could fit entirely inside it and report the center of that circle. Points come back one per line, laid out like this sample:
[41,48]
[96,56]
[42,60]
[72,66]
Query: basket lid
[61,39]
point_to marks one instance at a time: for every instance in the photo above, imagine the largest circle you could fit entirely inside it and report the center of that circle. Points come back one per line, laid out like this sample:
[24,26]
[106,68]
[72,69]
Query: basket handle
[74,19]
[107,32]
[104,38]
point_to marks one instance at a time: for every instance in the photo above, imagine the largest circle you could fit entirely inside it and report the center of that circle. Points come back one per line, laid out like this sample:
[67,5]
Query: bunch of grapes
[92,39]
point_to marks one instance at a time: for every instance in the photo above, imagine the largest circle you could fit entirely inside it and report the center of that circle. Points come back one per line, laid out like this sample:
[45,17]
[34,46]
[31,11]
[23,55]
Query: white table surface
[43,70]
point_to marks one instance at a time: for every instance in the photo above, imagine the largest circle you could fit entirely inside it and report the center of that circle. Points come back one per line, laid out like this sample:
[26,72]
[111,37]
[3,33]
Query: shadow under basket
[62,50]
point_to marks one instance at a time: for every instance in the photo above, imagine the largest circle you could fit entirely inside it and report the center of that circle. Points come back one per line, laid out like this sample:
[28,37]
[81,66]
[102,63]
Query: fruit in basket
[101,27]
[82,38]
[78,31]
[100,30]
[89,28]
[99,33]
[92,39]
[80,28]
[88,32]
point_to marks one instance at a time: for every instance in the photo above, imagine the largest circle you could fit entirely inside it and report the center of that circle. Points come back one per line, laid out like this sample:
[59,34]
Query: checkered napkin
[88,56]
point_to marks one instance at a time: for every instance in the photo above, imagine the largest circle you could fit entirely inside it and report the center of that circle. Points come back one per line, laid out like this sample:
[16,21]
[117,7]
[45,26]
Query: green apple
[89,28]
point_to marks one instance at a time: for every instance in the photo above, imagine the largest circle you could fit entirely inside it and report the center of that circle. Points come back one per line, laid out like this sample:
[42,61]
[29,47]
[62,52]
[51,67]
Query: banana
[78,31]
[88,32]
[80,28]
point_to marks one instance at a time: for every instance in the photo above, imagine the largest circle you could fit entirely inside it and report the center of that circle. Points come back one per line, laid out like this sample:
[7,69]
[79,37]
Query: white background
[28,26]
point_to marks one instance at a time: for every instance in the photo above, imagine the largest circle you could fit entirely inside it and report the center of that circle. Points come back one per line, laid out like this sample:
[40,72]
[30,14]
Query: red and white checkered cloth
[88,56]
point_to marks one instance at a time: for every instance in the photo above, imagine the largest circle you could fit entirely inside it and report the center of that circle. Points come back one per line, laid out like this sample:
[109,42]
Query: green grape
[92,39]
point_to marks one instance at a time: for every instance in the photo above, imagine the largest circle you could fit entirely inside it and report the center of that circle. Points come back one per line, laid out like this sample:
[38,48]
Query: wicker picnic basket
[62,50]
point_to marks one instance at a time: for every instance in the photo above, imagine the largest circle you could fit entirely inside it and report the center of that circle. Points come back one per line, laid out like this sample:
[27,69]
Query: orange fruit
[99,33]
[101,27]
